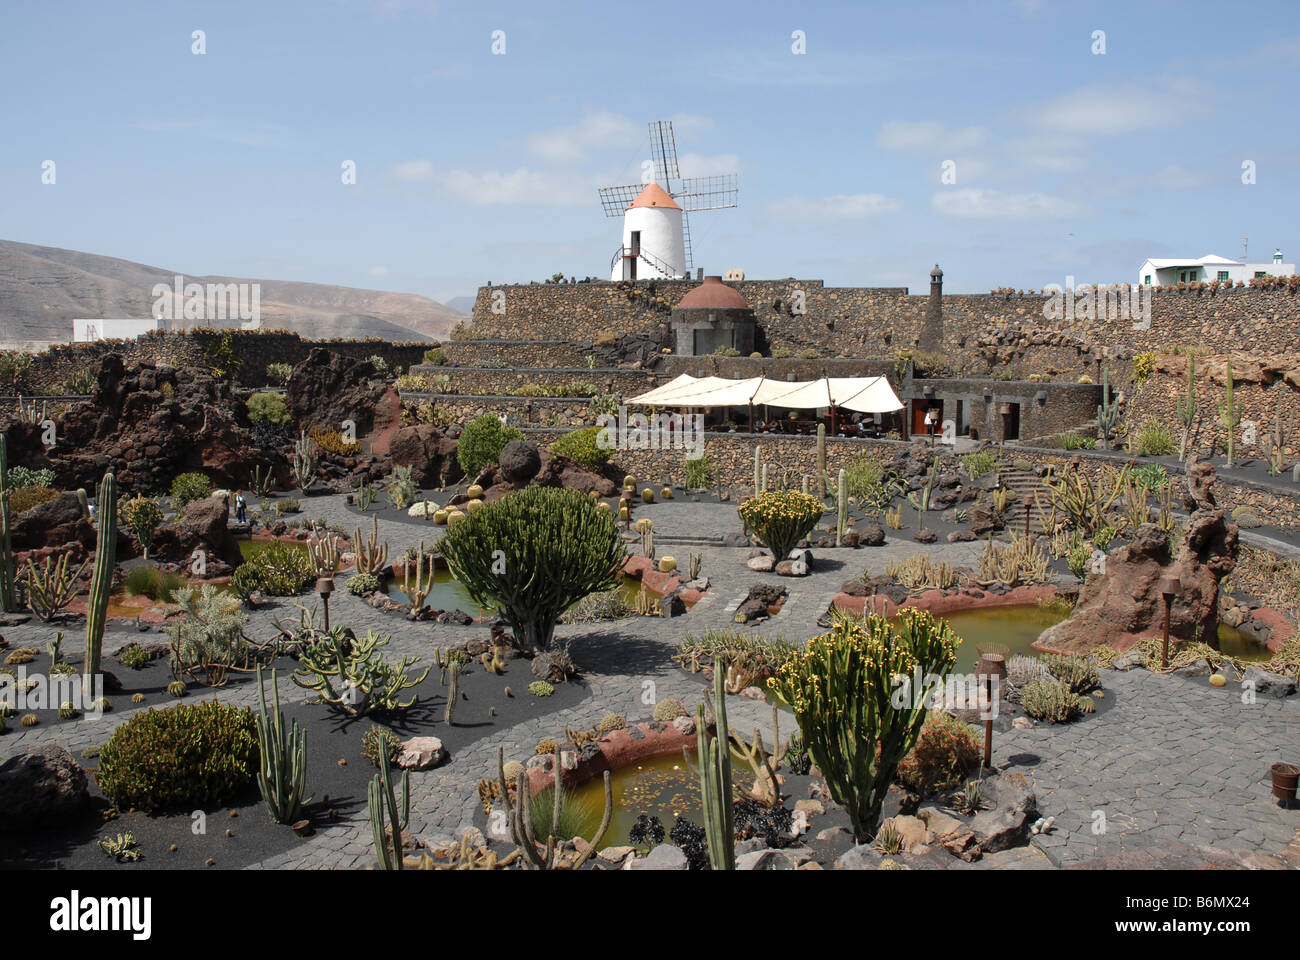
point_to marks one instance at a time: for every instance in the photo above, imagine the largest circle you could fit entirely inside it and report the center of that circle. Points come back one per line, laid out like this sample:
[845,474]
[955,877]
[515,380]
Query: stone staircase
[1025,484]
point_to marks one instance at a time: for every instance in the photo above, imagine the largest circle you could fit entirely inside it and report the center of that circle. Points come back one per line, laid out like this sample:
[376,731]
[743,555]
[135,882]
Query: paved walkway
[1171,763]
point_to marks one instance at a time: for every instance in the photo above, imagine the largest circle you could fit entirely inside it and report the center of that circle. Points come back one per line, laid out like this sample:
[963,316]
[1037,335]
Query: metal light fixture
[992,668]
[1169,588]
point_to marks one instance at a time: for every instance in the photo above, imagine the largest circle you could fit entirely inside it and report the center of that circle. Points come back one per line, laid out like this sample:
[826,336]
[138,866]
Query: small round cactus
[30,720]
[102,705]
[440,517]
[647,495]
[512,770]
[455,518]
[475,492]
[540,688]
[602,505]
[546,746]
[629,481]
[666,710]
[137,698]
[667,564]
[624,514]
[177,688]
[612,721]
[666,493]
[473,505]
[68,710]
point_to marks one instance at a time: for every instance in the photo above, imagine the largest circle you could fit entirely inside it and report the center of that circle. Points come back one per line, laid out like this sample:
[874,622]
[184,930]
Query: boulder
[520,461]
[763,564]
[53,524]
[1126,599]
[751,611]
[421,753]
[1268,684]
[925,536]
[429,452]
[44,786]
[772,860]
[666,856]
[327,388]
[872,535]
[1012,808]
[202,525]
[558,471]
[862,857]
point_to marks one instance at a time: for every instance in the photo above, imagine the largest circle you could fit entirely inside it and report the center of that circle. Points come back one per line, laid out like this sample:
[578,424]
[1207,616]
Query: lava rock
[41,787]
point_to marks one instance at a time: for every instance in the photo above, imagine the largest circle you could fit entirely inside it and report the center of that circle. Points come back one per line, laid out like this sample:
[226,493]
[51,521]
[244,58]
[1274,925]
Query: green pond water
[448,593]
[665,787]
[1018,627]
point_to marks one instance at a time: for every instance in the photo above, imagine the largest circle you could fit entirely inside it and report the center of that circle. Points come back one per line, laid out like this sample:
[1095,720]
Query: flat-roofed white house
[85,330]
[1167,271]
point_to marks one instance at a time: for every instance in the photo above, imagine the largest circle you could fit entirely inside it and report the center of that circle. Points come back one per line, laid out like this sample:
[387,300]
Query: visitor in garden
[241,507]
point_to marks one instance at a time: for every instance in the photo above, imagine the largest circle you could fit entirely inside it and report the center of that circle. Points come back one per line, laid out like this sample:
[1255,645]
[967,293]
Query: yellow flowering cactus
[859,694]
[781,518]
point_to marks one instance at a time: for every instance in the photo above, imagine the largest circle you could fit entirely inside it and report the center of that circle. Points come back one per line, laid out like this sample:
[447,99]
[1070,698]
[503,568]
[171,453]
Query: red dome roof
[713,294]
[654,196]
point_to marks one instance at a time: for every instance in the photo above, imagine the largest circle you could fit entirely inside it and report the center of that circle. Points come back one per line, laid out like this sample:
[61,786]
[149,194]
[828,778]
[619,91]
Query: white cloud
[379,271]
[596,130]
[928,138]
[523,187]
[975,204]
[415,170]
[856,206]
[1099,110]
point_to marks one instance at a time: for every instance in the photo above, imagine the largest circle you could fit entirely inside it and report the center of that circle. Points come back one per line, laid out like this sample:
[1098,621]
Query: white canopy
[860,394]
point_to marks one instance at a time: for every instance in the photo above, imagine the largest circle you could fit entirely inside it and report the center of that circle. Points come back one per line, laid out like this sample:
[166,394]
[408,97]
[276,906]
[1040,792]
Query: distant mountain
[42,289]
[463,305]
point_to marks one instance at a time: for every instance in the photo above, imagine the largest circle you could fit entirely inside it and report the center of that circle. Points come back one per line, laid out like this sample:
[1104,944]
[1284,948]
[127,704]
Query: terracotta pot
[1285,780]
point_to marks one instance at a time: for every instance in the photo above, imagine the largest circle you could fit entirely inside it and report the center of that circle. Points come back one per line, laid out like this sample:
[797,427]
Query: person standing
[241,508]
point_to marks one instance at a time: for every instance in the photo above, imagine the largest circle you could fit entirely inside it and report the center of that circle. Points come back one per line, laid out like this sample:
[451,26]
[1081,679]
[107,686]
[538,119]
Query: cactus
[51,589]
[453,692]
[519,815]
[370,556]
[764,478]
[757,478]
[922,503]
[821,460]
[305,460]
[282,770]
[84,502]
[841,509]
[714,758]
[1277,437]
[388,831]
[1107,412]
[646,528]
[8,568]
[177,688]
[416,588]
[324,555]
[101,581]
[1229,414]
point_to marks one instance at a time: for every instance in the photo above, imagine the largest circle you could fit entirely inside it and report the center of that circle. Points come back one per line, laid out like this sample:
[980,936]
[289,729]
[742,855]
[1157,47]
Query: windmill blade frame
[615,200]
[663,151]
[717,192]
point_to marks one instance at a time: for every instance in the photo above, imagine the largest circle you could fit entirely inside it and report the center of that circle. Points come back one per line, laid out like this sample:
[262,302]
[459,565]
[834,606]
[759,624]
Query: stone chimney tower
[932,328]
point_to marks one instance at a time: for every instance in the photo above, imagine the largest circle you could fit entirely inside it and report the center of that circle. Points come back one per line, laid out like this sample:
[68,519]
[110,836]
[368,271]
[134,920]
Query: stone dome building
[711,316]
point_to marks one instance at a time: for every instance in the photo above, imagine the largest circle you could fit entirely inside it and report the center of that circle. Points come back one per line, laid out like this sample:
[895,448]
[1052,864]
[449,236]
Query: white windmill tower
[656,229]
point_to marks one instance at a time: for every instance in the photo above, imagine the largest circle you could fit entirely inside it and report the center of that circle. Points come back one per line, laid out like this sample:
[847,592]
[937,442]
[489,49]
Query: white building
[654,245]
[1206,269]
[86,330]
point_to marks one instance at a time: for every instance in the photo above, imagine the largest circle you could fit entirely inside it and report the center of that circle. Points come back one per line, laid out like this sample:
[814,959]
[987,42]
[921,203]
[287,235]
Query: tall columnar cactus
[714,757]
[821,461]
[324,555]
[841,509]
[306,458]
[519,815]
[101,580]
[388,829]
[282,770]
[453,692]
[859,694]
[1107,412]
[8,568]
[1186,408]
[757,478]
[765,478]
[371,557]
[1229,414]
[84,502]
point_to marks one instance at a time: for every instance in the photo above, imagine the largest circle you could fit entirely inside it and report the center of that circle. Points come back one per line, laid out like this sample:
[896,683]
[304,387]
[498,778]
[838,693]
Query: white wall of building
[86,330]
[1194,271]
[661,238]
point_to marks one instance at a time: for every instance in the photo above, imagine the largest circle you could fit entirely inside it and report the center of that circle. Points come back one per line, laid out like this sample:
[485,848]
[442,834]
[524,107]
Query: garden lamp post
[993,669]
[324,587]
[1169,586]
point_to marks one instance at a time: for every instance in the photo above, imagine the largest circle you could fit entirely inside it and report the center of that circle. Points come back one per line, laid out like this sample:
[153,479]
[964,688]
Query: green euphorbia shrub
[269,408]
[781,518]
[179,758]
[481,443]
[534,554]
[581,447]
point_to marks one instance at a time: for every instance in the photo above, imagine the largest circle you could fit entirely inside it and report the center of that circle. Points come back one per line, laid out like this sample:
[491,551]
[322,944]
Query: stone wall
[253,350]
[518,353]
[472,380]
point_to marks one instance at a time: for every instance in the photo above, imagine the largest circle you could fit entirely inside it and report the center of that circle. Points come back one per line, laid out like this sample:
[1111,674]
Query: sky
[478,153]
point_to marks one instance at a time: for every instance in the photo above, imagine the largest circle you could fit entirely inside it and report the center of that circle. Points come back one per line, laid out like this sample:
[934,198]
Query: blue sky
[474,167]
